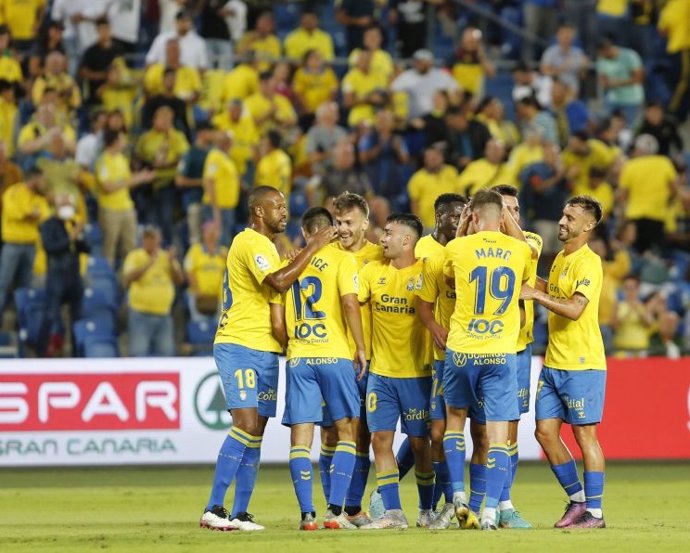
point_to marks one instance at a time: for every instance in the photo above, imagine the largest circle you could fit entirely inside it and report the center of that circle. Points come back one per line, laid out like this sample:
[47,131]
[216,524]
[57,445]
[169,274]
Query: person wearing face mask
[61,235]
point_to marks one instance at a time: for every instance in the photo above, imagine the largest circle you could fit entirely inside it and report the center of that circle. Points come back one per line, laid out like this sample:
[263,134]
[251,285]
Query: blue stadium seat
[94,336]
[105,286]
[31,311]
[200,333]
[99,266]
[298,204]
[93,235]
[100,348]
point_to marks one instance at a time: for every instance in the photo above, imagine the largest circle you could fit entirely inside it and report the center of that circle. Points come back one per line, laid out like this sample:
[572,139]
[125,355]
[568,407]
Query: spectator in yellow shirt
[23,18]
[487,171]
[243,81]
[245,137]
[23,209]
[381,61]
[116,215]
[35,136]
[118,92]
[313,84]
[363,91]
[150,275]
[204,266]
[308,36]
[599,189]
[56,77]
[269,109]
[582,154]
[221,188]
[10,70]
[262,41]
[8,115]
[427,184]
[274,167]
[634,322]
[187,79]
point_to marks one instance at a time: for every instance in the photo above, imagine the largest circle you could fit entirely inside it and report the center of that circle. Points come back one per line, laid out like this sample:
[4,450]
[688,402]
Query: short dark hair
[506,190]
[486,197]
[110,136]
[588,204]
[446,200]
[316,218]
[411,221]
[348,201]
[257,194]
[265,76]
[274,138]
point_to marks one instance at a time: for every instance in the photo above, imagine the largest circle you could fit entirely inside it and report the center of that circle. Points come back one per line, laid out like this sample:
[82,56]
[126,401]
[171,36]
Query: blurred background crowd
[131,131]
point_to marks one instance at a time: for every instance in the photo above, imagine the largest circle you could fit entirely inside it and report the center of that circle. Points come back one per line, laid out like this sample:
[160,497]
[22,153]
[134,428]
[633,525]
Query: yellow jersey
[8,123]
[381,62]
[113,168]
[187,81]
[267,49]
[299,41]
[207,268]
[603,193]
[647,181]
[674,20]
[600,156]
[361,85]
[522,156]
[315,88]
[275,169]
[246,318]
[19,201]
[489,269]
[424,187]
[10,70]
[245,138]
[527,331]
[226,182]
[482,174]
[576,345]
[33,130]
[259,106]
[154,292]
[398,336]
[315,320]
[167,147]
[20,17]
[122,98]
[240,83]
[367,253]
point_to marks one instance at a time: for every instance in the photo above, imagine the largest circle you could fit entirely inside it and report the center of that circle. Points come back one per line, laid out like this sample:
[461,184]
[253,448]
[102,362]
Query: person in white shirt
[125,22]
[192,46]
[422,82]
[90,145]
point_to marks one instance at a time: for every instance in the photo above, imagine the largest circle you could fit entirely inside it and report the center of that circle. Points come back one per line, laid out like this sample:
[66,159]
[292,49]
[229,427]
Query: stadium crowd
[131,133]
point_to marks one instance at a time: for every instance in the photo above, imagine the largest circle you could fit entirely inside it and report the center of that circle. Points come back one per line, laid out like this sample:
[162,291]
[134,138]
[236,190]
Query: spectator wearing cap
[8,115]
[192,46]
[262,42]
[10,69]
[621,74]
[24,208]
[466,137]
[410,22]
[570,114]
[49,40]
[381,61]
[269,109]
[564,60]
[469,64]
[245,137]
[421,82]
[487,171]
[322,138]
[221,188]
[189,179]
[166,97]
[363,91]
[656,123]
[306,37]
[116,215]
[150,275]
[97,59]
[427,184]
[204,266]
[355,16]
[161,149]
[275,166]
[647,186]
[23,18]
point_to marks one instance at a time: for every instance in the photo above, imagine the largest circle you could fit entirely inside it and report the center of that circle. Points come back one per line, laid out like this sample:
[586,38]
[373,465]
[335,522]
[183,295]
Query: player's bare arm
[353,317]
[425,311]
[570,308]
[278,327]
[283,278]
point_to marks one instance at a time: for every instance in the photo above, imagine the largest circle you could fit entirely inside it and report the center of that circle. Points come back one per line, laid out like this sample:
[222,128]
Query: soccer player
[507,515]
[399,384]
[321,306]
[573,380]
[435,304]
[487,268]
[246,351]
[352,222]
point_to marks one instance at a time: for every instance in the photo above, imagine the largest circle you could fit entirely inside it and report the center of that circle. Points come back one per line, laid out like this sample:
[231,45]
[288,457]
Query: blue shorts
[390,399]
[249,376]
[576,397]
[318,384]
[485,380]
[524,369]
[327,418]
[438,405]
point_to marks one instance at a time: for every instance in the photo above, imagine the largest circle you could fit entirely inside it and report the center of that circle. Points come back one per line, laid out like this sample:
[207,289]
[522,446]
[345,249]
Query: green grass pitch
[157,509]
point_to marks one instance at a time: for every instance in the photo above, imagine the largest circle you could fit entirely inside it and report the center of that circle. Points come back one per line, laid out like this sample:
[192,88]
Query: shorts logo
[459,359]
[243,395]
[261,262]
[268,395]
[292,363]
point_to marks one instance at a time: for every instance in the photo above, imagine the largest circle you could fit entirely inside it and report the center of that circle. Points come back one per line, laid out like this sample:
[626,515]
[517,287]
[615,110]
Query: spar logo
[209,403]
[89,401]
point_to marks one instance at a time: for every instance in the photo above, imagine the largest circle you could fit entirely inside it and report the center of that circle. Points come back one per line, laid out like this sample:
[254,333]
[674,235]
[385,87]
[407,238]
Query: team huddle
[425,331]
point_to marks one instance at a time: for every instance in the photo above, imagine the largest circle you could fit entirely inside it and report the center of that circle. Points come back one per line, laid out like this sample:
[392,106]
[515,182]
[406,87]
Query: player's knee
[437,436]
[544,436]
[419,445]
[329,437]
[381,441]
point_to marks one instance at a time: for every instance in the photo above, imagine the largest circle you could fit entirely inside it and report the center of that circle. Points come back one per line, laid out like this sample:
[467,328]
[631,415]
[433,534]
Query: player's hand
[440,336]
[322,238]
[292,254]
[360,363]
[172,253]
[527,292]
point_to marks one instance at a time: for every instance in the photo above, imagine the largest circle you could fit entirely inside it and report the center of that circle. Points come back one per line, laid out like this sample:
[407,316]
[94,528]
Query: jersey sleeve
[261,259]
[348,279]
[448,261]
[588,277]
[433,269]
[535,242]
[132,262]
[364,284]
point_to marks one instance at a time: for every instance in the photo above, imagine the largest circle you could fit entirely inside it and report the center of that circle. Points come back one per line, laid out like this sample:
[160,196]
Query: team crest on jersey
[261,262]
[293,362]
[382,280]
[460,359]
[410,284]
[420,281]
